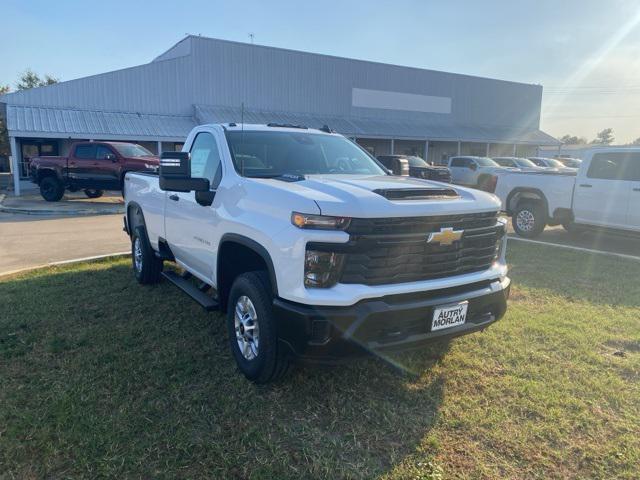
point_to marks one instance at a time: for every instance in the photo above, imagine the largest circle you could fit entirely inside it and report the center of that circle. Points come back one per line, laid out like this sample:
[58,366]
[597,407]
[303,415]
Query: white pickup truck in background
[312,249]
[605,193]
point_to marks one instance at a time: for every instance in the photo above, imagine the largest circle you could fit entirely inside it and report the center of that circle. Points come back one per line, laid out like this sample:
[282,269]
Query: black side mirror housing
[112,157]
[175,174]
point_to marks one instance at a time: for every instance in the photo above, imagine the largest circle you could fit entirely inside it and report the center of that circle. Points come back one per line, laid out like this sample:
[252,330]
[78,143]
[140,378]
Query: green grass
[101,377]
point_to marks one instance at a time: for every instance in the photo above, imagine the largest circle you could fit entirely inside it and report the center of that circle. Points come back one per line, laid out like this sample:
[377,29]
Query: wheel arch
[135,216]
[48,172]
[518,194]
[240,254]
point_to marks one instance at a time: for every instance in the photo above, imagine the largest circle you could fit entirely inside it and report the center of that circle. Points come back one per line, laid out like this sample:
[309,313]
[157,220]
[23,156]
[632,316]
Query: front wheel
[529,219]
[252,329]
[93,193]
[51,189]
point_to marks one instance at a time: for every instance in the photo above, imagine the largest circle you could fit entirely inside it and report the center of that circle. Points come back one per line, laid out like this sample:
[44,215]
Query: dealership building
[385,108]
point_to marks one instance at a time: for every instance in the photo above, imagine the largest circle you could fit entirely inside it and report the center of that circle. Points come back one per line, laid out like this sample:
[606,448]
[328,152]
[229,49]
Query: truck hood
[356,196]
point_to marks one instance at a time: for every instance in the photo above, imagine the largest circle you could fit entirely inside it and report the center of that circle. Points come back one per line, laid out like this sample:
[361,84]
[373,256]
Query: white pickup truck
[605,192]
[312,248]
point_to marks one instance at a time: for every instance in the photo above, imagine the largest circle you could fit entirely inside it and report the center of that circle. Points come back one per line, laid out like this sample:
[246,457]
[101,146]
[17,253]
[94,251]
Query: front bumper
[394,322]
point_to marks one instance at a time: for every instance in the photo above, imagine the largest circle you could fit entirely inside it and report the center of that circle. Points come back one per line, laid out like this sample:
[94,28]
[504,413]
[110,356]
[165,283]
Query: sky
[585,53]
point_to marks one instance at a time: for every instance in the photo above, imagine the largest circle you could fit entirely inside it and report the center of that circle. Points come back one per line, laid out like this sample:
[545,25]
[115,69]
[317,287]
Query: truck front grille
[395,250]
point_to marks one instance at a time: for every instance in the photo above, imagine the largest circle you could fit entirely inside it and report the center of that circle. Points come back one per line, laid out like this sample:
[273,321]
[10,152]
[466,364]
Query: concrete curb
[63,262]
[48,212]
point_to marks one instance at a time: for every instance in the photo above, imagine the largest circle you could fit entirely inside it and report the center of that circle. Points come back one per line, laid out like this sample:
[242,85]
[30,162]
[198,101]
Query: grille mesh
[395,250]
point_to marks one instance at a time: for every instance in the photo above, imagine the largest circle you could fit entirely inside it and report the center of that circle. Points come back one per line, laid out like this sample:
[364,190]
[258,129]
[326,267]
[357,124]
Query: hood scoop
[394,194]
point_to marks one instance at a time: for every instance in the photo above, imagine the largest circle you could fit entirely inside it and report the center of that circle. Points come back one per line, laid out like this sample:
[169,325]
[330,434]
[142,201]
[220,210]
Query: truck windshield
[273,154]
[486,162]
[132,150]
[417,162]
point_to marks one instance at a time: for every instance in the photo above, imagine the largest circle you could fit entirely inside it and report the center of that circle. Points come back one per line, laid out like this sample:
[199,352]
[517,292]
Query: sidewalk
[74,204]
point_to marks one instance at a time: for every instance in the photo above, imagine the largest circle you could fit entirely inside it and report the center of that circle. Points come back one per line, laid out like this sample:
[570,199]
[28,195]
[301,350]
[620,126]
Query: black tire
[529,219]
[51,189]
[269,363]
[147,270]
[93,193]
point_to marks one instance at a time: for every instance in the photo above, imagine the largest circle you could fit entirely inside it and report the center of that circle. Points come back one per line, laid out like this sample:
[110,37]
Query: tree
[573,140]
[636,141]
[604,137]
[30,79]
[4,89]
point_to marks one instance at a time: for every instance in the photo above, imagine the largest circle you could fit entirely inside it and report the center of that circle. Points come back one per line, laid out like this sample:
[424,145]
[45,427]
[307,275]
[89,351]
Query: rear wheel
[93,193]
[51,189]
[529,219]
[146,266]
[252,329]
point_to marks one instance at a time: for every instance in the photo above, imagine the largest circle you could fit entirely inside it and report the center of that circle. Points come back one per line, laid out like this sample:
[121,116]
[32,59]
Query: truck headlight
[321,222]
[322,269]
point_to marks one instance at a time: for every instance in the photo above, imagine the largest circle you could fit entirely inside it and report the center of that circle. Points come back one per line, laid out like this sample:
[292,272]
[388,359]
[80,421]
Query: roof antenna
[251,38]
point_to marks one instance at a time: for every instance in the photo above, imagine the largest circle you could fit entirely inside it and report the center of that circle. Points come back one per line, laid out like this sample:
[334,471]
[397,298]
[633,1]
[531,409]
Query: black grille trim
[395,250]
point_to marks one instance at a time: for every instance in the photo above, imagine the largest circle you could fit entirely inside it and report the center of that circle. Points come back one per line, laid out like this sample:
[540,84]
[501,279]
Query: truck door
[190,227]
[633,211]
[107,172]
[461,170]
[81,164]
[601,197]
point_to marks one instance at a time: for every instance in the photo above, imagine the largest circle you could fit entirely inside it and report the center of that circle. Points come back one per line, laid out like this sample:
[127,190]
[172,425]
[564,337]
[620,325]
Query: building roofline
[351,59]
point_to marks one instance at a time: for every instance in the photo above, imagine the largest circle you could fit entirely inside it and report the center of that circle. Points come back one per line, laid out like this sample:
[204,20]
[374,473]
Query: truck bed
[557,187]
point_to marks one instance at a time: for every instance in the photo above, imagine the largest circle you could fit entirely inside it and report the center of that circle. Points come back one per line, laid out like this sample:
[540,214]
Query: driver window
[205,158]
[103,153]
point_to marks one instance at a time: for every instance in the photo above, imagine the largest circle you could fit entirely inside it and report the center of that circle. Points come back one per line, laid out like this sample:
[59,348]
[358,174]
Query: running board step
[192,290]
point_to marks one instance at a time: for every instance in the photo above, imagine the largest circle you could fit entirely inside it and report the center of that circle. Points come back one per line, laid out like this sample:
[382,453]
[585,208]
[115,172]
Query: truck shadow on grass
[105,377]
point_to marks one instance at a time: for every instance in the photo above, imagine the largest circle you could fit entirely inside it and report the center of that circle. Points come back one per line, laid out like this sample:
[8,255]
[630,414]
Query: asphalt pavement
[28,241]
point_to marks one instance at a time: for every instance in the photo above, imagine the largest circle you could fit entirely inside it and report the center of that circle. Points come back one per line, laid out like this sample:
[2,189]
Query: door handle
[586,185]
[175,198]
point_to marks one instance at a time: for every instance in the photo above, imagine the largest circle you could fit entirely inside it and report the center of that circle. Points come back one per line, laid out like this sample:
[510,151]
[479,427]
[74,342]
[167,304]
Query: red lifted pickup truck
[90,166]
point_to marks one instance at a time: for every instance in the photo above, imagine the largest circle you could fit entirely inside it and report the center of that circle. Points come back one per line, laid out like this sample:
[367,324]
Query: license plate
[449,316]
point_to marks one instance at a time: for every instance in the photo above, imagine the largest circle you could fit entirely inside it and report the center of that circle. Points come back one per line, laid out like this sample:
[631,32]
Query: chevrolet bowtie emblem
[446,236]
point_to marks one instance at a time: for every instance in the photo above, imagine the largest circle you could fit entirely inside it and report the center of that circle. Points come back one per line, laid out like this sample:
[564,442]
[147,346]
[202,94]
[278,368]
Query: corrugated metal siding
[159,87]
[40,120]
[371,127]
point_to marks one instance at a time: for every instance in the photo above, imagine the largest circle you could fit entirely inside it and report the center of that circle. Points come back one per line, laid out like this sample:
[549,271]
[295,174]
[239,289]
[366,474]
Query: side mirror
[473,167]
[112,157]
[175,174]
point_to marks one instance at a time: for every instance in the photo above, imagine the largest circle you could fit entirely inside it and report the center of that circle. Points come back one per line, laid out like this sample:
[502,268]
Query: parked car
[570,162]
[414,166]
[312,249]
[90,166]
[517,162]
[605,192]
[477,172]
[544,162]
